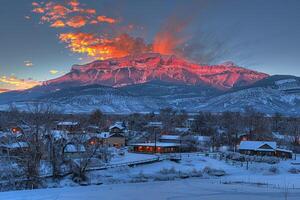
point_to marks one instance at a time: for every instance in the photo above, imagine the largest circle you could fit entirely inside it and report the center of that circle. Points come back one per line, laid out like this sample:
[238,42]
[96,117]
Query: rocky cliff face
[143,68]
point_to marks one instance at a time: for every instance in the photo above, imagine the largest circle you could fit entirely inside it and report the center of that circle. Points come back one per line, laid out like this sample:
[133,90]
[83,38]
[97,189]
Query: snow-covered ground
[191,166]
[175,190]
[176,180]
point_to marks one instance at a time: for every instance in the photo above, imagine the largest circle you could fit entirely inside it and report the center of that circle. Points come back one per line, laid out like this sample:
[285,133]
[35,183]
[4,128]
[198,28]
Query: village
[46,149]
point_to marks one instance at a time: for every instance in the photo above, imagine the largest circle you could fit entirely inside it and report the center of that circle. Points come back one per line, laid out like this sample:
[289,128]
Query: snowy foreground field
[183,189]
[176,180]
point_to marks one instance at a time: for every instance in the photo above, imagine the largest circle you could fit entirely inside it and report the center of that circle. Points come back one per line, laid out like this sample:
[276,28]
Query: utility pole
[154,129]
[155,126]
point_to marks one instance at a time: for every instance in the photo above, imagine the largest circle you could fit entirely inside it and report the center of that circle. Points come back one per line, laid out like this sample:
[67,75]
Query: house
[18,129]
[117,127]
[263,148]
[202,140]
[243,137]
[14,149]
[190,122]
[59,135]
[158,147]
[93,129]
[74,151]
[69,126]
[170,139]
[111,139]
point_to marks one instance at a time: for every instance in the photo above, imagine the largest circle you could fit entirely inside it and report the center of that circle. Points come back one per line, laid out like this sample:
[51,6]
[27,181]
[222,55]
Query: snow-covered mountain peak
[143,68]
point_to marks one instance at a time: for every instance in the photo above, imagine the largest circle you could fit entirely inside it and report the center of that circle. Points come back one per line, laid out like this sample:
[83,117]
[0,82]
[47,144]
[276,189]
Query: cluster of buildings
[181,140]
[70,134]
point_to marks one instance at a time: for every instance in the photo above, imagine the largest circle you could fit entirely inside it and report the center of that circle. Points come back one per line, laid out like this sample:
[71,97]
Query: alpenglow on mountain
[143,68]
[149,82]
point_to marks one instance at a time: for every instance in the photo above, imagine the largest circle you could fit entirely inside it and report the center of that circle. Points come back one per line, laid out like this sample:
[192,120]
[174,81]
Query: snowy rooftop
[255,145]
[155,124]
[118,125]
[170,137]
[58,134]
[182,129]
[71,148]
[104,135]
[202,138]
[158,144]
[284,150]
[67,123]
[16,145]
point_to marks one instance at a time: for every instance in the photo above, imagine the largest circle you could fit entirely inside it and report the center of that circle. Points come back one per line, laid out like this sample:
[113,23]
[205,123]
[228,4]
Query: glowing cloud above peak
[70,13]
[102,47]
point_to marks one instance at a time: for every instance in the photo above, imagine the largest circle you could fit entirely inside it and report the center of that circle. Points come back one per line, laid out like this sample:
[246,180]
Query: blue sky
[260,34]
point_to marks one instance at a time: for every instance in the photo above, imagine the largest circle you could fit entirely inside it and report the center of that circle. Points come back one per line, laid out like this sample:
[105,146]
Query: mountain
[143,68]
[279,93]
[148,82]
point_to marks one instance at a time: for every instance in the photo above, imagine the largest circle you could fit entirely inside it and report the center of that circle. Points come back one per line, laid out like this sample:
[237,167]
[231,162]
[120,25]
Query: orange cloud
[103,48]
[38,10]
[3,90]
[76,21]
[103,18]
[74,3]
[70,13]
[89,11]
[35,4]
[58,24]
[14,83]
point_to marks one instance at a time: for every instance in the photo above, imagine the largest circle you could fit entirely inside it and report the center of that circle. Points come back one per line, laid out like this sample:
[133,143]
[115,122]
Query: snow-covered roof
[170,137]
[118,125]
[16,145]
[284,150]
[58,134]
[158,144]
[67,123]
[71,148]
[182,129]
[202,138]
[3,134]
[104,135]
[256,145]
[280,136]
[155,124]
[191,119]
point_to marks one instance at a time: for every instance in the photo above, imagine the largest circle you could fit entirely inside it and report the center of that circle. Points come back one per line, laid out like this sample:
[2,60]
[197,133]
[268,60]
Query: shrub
[168,171]
[213,172]
[274,170]
[294,170]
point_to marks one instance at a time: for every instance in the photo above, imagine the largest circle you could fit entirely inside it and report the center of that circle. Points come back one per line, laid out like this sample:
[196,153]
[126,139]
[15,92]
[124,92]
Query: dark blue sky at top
[263,35]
